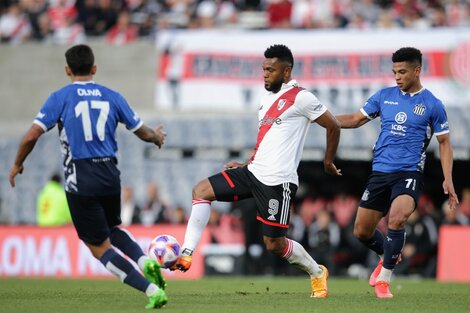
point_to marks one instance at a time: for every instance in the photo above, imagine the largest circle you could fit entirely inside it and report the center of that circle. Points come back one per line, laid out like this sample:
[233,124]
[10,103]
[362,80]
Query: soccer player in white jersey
[87,115]
[410,115]
[270,176]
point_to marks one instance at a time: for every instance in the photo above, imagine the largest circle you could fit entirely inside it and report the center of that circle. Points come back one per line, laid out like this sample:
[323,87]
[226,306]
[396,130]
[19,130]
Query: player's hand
[399,259]
[233,164]
[330,168]
[160,136]
[449,190]
[15,170]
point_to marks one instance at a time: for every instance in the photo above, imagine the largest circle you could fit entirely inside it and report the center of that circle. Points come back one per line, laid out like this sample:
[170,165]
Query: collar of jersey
[291,83]
[412,94]
[84,83]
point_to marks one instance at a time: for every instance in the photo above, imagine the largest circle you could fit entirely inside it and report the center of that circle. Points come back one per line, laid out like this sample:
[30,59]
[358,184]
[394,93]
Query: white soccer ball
[164,249]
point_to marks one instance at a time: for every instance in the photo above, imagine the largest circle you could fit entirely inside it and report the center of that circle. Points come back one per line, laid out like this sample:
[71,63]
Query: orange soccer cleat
[183,263]
[375,274]
[320,284]
[382,290]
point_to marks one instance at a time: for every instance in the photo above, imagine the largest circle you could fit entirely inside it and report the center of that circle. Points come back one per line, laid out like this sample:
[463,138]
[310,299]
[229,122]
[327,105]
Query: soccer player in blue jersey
[410,115]
[87,115]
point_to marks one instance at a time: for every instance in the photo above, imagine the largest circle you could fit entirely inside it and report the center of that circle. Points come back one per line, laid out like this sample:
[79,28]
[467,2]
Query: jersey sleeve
[371,108]
[439,122]
[309,105]
[50,112]
[127,116]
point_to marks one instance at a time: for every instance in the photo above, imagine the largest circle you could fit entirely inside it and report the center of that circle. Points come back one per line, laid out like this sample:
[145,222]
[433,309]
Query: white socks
[296,255]
[385,275]
[200,213]
[141,262]
[151,290]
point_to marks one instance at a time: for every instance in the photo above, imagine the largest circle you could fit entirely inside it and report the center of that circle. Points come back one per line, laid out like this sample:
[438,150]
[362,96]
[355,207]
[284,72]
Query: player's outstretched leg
[124,241]
[126,272]
[153,274]
[200,213]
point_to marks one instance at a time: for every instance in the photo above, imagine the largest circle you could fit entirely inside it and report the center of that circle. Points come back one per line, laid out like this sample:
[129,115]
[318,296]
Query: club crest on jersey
[401,117]
[281,104]
[419,109]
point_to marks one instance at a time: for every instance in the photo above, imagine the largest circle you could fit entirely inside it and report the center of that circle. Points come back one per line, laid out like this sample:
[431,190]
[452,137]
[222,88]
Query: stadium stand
[73,21]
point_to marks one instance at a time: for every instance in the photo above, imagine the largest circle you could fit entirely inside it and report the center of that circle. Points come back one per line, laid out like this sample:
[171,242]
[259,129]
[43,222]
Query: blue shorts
[383,188]
[93,216]
[273,202]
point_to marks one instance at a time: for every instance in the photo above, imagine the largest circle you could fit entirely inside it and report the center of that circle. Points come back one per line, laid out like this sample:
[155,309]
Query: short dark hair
[281,52]
[80,59]
[408,54]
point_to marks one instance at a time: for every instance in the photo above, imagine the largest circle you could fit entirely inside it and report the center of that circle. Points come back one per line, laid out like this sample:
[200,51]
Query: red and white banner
[220,70]
[28,251]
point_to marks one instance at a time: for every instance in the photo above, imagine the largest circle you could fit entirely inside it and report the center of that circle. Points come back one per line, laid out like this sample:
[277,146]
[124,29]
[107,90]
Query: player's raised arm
[26,146]
[353,120]
[333,131]
[157,135]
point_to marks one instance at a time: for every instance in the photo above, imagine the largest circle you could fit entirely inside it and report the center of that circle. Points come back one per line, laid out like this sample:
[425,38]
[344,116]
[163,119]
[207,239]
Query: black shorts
[273,202]
[383,188]
[94,217]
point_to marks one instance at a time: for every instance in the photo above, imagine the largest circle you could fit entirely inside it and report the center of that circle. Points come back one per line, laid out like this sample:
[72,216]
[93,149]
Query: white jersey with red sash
[284,118]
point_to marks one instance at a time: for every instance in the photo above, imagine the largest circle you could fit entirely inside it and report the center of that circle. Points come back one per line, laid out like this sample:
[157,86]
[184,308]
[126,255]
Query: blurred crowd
[125,21]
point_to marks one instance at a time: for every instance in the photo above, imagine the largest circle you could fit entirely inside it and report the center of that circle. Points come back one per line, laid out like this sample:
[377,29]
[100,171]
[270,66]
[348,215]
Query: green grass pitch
[231,294]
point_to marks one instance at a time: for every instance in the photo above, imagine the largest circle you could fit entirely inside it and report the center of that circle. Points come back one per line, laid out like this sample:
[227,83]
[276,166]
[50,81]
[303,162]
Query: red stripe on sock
[288,249]
[200,201]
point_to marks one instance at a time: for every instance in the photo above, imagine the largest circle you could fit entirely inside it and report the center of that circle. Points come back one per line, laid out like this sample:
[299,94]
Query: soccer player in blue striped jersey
[87,115]
[410,115]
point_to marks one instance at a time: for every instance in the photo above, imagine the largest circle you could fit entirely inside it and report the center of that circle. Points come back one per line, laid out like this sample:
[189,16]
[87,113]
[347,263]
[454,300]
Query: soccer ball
[164,249]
